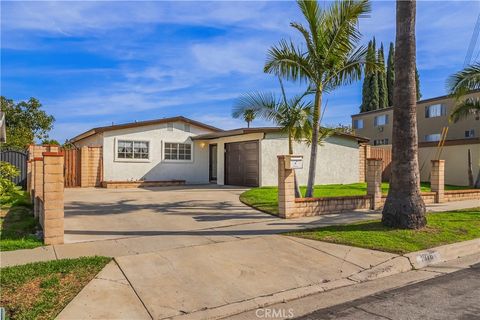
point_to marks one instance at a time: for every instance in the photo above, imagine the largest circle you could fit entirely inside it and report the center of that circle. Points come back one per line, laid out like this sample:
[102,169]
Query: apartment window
[432,137]
[380,142]
[470,133]
[435,110]
[127,149]
[380,120]
[177,151]
[170,126]
[186,127]
[358,124]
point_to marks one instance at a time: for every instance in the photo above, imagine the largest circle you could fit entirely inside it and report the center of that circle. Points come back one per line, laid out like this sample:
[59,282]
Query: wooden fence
[72,168]
[386,155]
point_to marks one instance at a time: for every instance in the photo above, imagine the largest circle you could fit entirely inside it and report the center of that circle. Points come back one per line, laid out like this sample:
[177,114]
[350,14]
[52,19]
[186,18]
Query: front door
[212,167]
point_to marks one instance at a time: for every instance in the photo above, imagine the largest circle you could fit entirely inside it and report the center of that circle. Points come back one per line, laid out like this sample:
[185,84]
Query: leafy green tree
[417,84]
[248,116]
[371,77]
[390,73]
[25,122]
[8,189]
[52,142]
[328,58]
[293,116]
[382,80]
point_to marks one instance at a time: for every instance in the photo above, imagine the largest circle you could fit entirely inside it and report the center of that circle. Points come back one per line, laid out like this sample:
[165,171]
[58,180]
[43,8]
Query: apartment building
[462,137]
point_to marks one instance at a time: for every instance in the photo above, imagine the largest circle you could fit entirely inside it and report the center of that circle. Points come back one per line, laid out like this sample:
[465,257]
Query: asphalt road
[451,296]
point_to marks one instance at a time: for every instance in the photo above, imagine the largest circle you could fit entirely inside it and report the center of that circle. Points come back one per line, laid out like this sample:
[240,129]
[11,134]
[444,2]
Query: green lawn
[442,228]
[41,290]
[17,224]
[266,198]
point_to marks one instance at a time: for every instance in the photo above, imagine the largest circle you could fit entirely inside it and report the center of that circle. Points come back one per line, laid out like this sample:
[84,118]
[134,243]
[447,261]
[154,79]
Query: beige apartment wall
[425,125]
[95,140]
[455,162]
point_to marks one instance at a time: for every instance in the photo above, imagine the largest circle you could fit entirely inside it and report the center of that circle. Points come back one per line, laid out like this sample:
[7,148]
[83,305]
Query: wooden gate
[18,158]
[72,168]
[386,155]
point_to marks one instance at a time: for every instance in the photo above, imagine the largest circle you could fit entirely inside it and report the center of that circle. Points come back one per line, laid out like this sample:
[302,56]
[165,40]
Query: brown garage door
[241,163]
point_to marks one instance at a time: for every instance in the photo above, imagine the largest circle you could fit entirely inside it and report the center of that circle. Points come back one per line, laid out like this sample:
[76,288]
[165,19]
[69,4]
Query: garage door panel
[242,163]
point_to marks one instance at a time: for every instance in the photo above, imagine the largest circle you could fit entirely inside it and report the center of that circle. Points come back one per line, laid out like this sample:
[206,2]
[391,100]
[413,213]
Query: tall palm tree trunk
[295,182]
[404,207]
[312,168]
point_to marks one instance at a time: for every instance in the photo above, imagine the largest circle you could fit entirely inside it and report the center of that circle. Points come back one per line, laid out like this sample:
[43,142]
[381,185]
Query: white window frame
[375,120]
[443,110]
[471,133]
[432,134]
[356,122]
[118,139]
[178,160]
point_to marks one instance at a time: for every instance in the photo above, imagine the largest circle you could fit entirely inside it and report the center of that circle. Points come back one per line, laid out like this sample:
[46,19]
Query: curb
[396,265]
[425,258]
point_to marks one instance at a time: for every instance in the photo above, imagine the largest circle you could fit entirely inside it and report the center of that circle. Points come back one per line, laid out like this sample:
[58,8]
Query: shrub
[8,171]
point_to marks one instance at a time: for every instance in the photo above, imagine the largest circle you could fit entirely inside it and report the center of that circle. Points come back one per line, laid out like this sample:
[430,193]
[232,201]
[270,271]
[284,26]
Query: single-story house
[179,148]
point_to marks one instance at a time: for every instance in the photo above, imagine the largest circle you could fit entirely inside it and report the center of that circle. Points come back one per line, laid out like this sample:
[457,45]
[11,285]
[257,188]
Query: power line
[473,43]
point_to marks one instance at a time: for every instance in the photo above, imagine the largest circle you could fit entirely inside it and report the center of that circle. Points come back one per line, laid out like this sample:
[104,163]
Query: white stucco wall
[194,172]
[95,140]
[337,162]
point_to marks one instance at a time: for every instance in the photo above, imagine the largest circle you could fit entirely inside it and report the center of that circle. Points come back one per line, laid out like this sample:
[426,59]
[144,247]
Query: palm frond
[287,61]
[465,80]
[262,104]
[465,109]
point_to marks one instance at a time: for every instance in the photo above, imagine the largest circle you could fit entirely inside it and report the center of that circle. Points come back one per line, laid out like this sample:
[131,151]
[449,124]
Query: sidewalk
[179,239]
[228,278]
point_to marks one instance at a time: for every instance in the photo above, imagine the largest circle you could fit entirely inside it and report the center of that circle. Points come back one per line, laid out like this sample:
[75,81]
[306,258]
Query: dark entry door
[241,163]
[213,158]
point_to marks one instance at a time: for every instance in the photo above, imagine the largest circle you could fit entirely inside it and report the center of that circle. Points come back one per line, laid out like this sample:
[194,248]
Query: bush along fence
[46,182]
[291,207]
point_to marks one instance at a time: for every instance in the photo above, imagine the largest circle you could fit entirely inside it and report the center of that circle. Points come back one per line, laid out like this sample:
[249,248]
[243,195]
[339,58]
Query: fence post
[37,186]
[286,188]
[374,182]
[84,167]
[53,202]
[437,180]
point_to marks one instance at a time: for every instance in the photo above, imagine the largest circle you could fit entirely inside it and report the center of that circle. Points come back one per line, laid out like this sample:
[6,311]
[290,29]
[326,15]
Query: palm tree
[293,116]
[460,84]
[404,207]
[248,116]
[329,58]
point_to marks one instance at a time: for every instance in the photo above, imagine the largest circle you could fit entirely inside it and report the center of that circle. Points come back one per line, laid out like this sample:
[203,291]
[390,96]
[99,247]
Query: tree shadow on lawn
[18,227]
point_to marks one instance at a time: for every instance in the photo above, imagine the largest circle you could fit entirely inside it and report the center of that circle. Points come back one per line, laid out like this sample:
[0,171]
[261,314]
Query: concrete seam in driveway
[133,288]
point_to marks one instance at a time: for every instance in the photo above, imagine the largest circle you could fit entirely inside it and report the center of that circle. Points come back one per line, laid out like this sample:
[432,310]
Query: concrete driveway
[99,214]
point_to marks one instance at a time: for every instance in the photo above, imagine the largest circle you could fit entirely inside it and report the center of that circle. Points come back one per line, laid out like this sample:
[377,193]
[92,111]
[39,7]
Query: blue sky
[92,63]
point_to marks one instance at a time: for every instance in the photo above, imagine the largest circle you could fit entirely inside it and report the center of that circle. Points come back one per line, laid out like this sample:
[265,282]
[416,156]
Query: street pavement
[452,296]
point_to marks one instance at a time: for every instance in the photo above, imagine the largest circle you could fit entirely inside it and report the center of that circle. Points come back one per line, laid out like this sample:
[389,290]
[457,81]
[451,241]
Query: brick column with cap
[374,182]
[53,203]
[437,180]
[286,188]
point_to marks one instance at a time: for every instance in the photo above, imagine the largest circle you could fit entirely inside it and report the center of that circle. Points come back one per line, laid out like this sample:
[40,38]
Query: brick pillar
[84,167]
[37,193]
[374,182]
[437,180]
[286,188]
[53,215]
